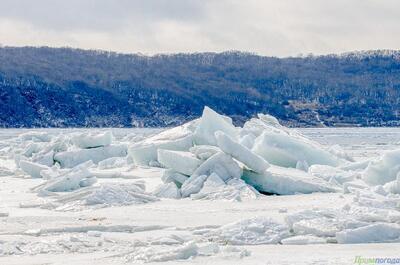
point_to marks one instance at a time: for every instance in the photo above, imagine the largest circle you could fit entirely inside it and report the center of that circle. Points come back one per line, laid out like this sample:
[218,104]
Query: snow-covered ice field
[124,206]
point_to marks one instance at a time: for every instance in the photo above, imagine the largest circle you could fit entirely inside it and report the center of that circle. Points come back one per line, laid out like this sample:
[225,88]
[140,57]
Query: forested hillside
[62,87]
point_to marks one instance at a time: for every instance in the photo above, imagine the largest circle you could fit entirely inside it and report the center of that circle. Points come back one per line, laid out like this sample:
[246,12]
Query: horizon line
[300,55]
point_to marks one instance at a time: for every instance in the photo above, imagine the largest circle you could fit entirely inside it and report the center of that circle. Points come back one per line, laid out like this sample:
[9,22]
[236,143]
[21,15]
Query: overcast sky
[267,27]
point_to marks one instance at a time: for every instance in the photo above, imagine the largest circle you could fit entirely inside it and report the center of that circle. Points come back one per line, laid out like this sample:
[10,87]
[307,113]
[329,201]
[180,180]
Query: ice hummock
[267,156]
[213,145]
[211,159]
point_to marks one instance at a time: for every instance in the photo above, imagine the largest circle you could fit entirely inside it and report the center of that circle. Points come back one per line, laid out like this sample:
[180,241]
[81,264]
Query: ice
[284,150]
[214,181]
[209,249]
[5,172]
[269,119]
[107,194]
[253,231]
[86,182]
[215,188]
[197,192]
[241,153]
[168,240]
[320,223]
[73,158]
[168,190]
[118,194]
[175,139]
[351,186]
[112,162]
[33,148]
[384,169]
[68,181]
[393,186]
[46,159]
[229,252]
[32,169]
[204,152]
[205,146]
[221,164]
[303,240]
[92,140]
[291,219]
[35,136]
[209,123]
[247,140]
[94,233]
[302,165]
[371,217]
[338,151]
[170,175]
[256,126]
[322,226]
[113,173]
[379,232]
[182,162]
[355,166]
[52,172]
[193,185]
[286,181]
[331,173]
[150,254]
[4,214]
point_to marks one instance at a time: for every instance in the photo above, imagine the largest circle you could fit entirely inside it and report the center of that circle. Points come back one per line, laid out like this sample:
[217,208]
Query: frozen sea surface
[178,231]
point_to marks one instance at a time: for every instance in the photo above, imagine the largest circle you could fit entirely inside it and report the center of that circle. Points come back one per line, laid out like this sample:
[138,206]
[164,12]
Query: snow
[193,194]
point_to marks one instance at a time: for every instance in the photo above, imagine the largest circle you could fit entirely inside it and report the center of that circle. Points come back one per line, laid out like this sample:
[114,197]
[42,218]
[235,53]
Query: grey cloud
[101,15]
[271,27]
